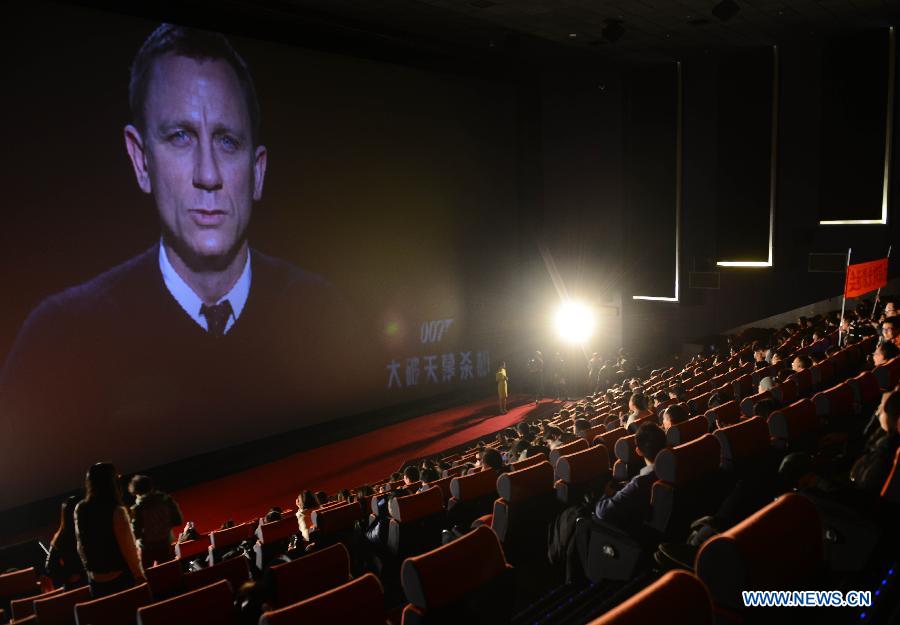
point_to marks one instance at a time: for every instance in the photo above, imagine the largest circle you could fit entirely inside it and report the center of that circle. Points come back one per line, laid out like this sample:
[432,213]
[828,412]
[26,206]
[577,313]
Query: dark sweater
[114,369]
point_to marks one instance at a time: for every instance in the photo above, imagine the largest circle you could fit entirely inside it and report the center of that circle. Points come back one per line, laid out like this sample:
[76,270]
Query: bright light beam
[574,322]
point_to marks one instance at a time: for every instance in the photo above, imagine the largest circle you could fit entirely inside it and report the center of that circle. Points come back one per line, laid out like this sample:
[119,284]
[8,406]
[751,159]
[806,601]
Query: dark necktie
[216,317]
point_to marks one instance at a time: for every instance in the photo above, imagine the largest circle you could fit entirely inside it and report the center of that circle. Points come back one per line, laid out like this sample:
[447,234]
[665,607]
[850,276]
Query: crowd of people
[108,545]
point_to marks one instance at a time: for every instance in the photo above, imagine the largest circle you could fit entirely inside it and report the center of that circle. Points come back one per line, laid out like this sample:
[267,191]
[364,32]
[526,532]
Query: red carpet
[345,464]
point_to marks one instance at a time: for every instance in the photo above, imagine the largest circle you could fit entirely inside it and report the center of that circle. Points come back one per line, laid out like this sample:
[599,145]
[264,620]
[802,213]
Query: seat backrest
[360,601]
[787,392]
[822,373]
[587,465]
[835,402]
[479,484]
[865,388]
[192,548]
[60,609]
[444,575]
[234,570]
[530,461]
[279,530]
[750,401]
[568,448]
[729,412]
[743,386]
[891,489]
[413,507]
[336,518]
[743,441]
[627,463]
[310,575]
[699,404]
[24,607]
[689,469]
[675,593]
[625,449]
[443,485]
[687,431]
[229,537]
[777,548]
[116,609]
[21,583]
[609,438]
[165,579]
[794,421]
[534,481]
[209,605]
[804,381]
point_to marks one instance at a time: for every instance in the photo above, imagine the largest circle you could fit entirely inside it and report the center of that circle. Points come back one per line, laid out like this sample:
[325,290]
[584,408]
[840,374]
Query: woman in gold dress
[502,391]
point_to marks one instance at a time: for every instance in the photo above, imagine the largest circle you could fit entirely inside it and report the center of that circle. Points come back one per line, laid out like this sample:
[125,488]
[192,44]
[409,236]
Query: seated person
[890,330]
[766,384]
[428,476]
[870,471]
[801,363]
[676,392]
[410,475]
[582,429]
[673,415]
[765,407]
[553,437]
[884,352]
[493,460]
[639,409]
[632,503]
[658,398]
[759,355]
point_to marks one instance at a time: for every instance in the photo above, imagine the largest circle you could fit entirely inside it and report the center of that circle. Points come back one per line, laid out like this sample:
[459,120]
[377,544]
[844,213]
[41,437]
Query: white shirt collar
[191,302]
[648,469]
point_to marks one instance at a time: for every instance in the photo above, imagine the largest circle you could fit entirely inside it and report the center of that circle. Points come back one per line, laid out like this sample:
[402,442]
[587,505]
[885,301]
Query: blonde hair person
[502,390]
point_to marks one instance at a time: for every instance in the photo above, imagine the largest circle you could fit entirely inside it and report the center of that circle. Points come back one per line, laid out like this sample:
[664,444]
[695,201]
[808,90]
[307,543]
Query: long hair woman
[63,562]
[105,540]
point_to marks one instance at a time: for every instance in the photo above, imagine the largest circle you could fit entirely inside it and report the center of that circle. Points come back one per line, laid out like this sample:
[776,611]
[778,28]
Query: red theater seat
[335,524]
[804,381]
[578,472]
[443,485]
[191,549]
[835,402]
[570,448]
[17,584]
[777,548]
[524,510]
[628,463]
[24,607]
[891,489]
[743,386]
[472,497]
[687,431]
[743,442]
[787,392]
[793,423]
[727,413]
[866,392]
[676,594]
[608,439]
[310,575]
[166,579]
[748,403]
[60,609]
[117,609]
[360,602]
[416,522]
[209,605]
[685,489]
[234,570]
[465,581]
[530,461]
[274,539]
[220,541]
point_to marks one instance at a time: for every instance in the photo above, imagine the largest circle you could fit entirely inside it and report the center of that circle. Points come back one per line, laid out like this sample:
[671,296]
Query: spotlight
[613,30]
[726,9]
[574,322]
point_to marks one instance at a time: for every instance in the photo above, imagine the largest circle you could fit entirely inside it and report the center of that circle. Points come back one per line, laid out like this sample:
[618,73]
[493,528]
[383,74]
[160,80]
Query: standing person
[63,564]
[536,371]
[105,541]
[595,365]
[502,390]
[153,516]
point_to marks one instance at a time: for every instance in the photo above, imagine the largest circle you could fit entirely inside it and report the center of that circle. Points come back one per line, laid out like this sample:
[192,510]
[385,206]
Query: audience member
[801,363]
[106,543]
[63,563]
[765,407]
[153,516]
[884,352]
[890,330]
[639,410]
[870,471]
[631,504]
[582,429]
[673,415]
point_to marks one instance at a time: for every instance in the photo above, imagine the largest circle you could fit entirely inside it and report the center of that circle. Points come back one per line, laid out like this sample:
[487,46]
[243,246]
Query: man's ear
[638,451]
[259,171]
[134,145]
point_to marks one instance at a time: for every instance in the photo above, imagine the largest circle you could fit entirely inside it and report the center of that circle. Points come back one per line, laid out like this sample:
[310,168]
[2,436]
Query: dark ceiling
[531,30]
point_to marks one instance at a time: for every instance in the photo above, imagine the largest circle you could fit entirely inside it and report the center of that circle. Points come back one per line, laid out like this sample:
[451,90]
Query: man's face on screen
[200,161]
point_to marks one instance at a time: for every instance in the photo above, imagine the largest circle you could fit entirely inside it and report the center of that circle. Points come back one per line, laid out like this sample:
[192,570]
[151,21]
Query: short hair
[193,43]
[430,475]
[553,432]
[716,399]
[805,361]
[141,484]
[767,383]
[677,414]
[676,389]
[888,350]
[894,321]
[640,401]
[582,425]
[650,439]
[411,473]
[492,459]
[764,407]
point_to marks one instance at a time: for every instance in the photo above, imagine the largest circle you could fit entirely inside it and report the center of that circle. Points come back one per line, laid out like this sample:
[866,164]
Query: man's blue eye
[230,143]
[179,137]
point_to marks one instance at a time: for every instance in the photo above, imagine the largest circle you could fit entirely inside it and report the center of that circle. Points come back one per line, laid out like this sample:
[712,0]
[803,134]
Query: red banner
[865,277]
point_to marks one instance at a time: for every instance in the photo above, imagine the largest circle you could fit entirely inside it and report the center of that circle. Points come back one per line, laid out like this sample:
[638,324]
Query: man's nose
[206,168]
